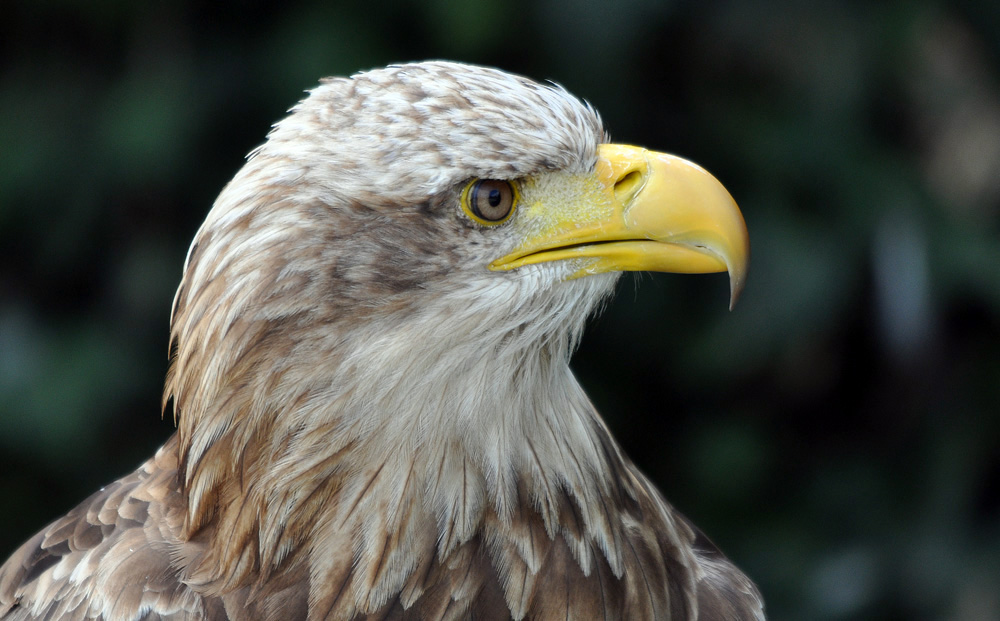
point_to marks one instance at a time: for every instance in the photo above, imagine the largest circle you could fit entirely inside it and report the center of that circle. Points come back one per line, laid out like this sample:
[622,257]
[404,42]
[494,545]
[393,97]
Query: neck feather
[432,421]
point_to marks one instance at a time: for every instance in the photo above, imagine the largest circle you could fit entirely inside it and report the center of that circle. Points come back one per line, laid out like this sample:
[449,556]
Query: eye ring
[489,202]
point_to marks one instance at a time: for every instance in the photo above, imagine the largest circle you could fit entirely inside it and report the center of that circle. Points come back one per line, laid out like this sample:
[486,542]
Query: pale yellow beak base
[668,215]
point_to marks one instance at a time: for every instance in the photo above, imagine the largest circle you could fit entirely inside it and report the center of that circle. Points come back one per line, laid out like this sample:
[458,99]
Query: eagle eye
[489,201]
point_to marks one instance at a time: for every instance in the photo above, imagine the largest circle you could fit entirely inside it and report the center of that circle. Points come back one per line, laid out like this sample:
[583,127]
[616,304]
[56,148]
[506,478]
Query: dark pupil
[494,197]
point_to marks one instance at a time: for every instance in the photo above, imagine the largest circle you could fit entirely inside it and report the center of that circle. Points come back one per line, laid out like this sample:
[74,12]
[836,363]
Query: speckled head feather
[372,423]
[401,135]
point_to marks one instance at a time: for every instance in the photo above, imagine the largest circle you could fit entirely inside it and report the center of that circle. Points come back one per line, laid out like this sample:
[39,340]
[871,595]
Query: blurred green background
[837,434]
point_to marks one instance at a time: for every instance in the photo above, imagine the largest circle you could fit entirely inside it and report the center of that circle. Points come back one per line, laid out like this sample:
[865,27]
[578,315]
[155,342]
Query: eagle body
[369,374]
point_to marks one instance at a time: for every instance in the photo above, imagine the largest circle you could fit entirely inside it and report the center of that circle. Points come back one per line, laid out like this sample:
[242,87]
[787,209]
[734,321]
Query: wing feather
[106,559]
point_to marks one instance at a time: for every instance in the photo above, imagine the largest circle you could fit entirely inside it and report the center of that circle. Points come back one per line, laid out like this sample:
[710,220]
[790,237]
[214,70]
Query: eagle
[369,375]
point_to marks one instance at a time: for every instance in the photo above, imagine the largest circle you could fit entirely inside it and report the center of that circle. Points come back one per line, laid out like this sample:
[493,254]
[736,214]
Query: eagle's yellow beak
[660,213]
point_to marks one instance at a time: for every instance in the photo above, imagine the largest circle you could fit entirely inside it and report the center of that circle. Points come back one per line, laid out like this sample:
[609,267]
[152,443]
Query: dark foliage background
[838,433]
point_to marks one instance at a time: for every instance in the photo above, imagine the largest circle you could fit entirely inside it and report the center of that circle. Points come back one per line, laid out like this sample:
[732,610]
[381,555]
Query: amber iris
[489,201]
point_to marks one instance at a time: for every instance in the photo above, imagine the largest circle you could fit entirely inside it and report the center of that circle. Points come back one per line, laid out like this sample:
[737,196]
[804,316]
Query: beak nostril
[627,186]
